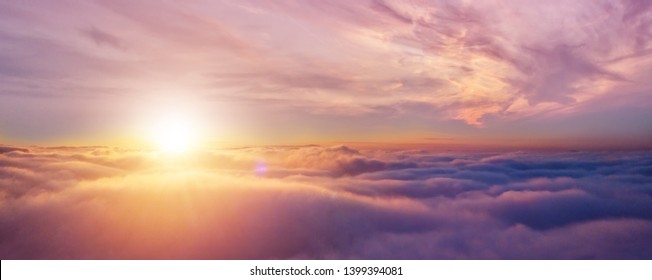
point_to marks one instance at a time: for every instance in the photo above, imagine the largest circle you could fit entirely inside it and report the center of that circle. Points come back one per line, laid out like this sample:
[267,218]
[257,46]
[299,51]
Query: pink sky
[90,72]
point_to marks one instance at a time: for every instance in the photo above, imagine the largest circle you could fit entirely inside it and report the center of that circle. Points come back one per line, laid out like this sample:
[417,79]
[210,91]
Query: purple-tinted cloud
[324,202]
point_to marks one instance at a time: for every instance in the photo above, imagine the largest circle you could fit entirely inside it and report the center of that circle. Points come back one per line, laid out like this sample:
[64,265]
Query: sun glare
[175,134]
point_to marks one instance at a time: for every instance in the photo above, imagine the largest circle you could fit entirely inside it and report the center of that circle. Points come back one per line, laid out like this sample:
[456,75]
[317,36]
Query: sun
[175,134]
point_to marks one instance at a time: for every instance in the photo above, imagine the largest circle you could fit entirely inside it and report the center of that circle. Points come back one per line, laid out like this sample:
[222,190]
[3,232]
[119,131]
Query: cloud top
[315,202]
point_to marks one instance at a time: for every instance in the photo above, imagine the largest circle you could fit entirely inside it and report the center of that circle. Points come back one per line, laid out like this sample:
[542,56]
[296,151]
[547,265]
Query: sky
[369,129]
[518,73]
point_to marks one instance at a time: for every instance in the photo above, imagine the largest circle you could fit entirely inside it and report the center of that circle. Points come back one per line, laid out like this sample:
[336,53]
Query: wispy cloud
[481,63]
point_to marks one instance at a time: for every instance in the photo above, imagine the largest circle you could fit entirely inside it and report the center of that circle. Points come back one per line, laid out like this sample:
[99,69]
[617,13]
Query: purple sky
[287,72]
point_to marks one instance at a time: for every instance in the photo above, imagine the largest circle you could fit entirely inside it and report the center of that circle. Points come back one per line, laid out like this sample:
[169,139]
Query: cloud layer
[313,202]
